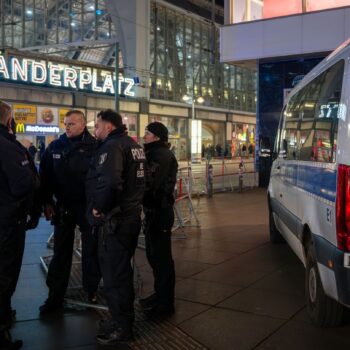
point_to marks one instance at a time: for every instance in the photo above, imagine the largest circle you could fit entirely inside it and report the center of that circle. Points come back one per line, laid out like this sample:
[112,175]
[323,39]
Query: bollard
[240,176]
[210,181]
[223,174]
[240,183]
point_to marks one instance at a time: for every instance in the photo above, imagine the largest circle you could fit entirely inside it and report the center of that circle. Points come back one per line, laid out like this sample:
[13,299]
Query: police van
[309,188]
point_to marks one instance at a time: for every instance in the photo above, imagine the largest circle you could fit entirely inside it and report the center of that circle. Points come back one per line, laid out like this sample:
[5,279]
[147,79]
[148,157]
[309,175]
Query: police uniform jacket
[116,179]
[18,177]
[161,176]
[63,169]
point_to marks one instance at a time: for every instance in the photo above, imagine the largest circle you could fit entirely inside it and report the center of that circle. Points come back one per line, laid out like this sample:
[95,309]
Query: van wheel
[275,235]
[323,310]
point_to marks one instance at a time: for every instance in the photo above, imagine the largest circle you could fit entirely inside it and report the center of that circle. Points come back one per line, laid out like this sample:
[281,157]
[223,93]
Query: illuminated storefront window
[243,140]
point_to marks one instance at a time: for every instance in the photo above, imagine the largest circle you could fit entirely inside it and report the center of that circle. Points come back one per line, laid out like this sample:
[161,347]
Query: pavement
[234,289]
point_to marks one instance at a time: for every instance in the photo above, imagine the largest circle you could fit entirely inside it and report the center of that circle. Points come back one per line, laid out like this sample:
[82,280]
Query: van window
[288,141]
[310,123]
[327,115]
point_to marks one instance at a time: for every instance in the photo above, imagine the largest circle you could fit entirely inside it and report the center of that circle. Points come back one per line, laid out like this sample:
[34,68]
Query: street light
[196,129]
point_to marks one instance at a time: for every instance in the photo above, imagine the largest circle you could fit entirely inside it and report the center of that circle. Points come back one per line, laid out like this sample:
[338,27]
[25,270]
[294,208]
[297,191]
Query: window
[310,123]
[289,135]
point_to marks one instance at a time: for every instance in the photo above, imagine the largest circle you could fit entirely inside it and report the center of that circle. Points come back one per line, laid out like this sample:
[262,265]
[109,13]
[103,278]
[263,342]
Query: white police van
[309,189]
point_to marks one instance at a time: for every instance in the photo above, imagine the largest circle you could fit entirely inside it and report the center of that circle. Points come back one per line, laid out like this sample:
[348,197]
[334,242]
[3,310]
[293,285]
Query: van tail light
[343,207]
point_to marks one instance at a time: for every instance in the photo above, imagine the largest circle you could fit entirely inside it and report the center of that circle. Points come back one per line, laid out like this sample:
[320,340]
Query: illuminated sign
[20,128]
[61,76]
[42,129]
[25,114]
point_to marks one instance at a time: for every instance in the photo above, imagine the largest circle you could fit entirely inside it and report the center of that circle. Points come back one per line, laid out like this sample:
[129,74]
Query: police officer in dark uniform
[158,207]
[19,182]
[63,169]
[115,185]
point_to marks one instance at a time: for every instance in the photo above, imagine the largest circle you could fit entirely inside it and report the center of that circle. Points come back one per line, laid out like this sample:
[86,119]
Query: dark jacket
[63,169]
[18,177]
[116,179]
[161,176]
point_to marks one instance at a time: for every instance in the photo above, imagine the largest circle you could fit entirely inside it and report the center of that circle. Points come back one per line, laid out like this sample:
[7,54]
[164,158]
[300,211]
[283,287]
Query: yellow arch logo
[20,128]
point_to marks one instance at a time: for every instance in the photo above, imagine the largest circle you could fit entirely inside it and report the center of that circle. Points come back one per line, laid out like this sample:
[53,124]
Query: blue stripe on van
[319,181]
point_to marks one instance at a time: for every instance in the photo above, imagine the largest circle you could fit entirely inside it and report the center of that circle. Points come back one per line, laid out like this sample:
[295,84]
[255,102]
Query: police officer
[18,183]
[115,190]
[63,169]
[158,207]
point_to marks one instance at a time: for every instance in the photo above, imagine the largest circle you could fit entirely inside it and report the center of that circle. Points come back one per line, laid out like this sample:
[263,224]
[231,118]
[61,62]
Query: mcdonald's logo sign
[20,128]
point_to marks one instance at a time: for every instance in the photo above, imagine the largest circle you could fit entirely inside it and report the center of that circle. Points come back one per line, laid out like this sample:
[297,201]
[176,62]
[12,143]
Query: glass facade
[54,23]
[184,56]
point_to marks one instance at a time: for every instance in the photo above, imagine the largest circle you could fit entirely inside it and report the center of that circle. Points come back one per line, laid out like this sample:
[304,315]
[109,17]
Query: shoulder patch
[25,162]
[102,158]
[56,156]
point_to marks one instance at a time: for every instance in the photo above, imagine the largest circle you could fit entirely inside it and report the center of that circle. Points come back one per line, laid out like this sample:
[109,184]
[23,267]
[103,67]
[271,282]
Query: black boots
[114,336]
[50,306]
[153,308]
[149,302]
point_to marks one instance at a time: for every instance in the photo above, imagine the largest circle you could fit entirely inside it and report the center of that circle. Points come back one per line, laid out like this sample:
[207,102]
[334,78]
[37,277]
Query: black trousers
[61,263]
[116,247]
[158,250]
[12,238]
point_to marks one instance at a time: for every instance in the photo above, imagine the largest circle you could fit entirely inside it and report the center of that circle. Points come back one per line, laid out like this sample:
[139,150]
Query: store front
[42,123]
[213,133]
[243,136]
[38,125]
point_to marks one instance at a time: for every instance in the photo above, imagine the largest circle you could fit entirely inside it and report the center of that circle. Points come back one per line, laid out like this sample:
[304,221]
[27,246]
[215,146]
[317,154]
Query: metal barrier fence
[185,215]
[219,176]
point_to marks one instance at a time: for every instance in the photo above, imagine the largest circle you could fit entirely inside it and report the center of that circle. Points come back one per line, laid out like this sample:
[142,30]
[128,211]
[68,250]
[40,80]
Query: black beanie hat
[159,130]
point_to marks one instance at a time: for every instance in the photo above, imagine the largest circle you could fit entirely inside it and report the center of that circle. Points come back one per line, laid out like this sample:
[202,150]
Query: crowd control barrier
[223,176]
[183,207]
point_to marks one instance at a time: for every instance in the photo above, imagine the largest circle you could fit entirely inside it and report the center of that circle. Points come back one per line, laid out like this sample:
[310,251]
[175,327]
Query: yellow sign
[20,128]
[61,115]
[24,114]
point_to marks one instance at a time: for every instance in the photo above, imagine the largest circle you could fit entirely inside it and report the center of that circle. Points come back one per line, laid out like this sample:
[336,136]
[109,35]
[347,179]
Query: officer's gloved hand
[32,222]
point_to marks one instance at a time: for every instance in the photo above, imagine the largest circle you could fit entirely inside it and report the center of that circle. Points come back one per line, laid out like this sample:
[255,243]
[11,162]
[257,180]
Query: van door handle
[281,195]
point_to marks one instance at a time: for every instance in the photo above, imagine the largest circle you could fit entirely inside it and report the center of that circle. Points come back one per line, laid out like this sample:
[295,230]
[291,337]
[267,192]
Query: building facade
[56,55]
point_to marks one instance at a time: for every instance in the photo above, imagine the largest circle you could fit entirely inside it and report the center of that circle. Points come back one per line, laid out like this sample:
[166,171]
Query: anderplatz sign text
[58,75]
